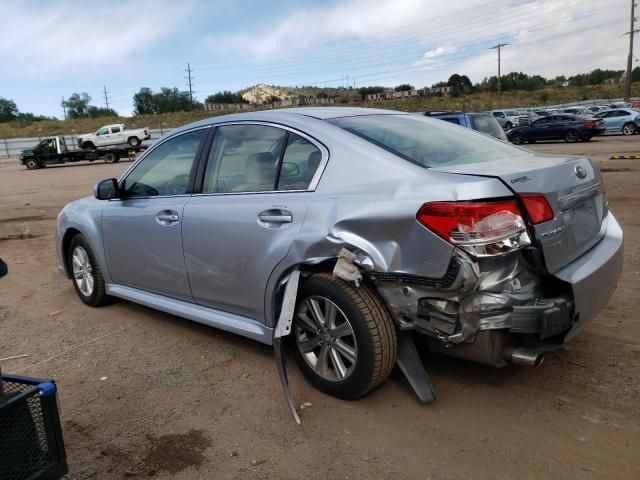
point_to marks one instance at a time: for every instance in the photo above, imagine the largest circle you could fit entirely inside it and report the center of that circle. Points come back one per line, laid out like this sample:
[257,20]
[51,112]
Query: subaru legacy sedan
[394,224]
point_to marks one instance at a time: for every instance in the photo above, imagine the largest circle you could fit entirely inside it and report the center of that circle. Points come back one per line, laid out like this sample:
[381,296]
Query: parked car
[116,134]
[570,128]
[481,122]
[574,110]
[620,120]
[595,109]
[396,224]
[509,118]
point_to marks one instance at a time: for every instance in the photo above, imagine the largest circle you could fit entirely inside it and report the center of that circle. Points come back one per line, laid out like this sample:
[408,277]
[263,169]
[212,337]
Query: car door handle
[167,217]
[275,216]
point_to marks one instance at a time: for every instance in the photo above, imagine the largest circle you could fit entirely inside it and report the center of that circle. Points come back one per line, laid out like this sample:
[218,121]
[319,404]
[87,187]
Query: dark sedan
[570,128]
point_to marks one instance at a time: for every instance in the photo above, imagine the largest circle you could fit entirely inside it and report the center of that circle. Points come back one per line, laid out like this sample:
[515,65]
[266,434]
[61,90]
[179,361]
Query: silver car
[393,224]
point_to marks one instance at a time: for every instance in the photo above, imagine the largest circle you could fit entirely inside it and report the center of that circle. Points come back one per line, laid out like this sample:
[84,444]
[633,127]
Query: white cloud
[350,19]
[429,55]
[49,39]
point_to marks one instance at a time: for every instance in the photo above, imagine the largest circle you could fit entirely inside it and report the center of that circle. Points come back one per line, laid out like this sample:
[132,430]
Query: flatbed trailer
[54,151]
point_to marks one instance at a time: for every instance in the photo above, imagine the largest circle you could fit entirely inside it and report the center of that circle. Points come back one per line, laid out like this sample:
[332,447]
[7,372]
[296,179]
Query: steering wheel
[177,185]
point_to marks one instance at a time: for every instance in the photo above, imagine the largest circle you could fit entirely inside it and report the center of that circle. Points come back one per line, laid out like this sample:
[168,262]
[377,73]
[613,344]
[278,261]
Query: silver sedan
[392,225]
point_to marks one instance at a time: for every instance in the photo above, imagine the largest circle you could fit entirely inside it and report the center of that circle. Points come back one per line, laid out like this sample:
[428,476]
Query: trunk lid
[572,185]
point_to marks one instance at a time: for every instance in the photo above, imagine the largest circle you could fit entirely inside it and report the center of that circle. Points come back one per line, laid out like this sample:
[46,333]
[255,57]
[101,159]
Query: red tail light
[537,207]
[590,124]
[444,218]
[479,228]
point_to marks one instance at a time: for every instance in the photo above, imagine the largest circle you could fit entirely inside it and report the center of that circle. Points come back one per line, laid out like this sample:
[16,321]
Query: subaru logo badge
[580,171]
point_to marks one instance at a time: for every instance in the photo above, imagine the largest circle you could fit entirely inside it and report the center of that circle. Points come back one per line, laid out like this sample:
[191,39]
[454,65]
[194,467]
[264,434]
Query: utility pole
[64,108]
[627,80]
[189,78]
[499,46]
[106,97]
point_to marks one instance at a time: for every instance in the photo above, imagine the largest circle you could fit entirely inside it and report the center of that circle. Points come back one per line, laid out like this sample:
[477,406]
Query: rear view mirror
[106,189]
[289,169]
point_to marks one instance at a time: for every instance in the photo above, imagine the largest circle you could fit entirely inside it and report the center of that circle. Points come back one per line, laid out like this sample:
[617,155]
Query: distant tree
[167,100]
[8,110]
[77,105]
[364,91]
[143,102]
[460,85]
[404,87]
[225,97]
[635,74]
[96,112]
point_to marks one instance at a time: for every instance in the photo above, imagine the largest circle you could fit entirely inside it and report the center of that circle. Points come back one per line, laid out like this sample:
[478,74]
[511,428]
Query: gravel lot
[168,398]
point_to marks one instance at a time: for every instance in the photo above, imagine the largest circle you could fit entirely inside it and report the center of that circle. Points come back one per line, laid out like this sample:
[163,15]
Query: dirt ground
[167,398]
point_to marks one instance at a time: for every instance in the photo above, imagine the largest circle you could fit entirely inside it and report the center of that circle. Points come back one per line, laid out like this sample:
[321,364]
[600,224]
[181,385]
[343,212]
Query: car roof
[286,115]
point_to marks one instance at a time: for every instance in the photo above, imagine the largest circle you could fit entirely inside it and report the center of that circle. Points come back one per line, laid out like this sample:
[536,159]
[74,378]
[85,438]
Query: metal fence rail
[12,147]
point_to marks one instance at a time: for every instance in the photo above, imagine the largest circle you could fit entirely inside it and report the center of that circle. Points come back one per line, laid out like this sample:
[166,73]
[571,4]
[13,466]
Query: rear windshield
[488,125]
[427,142]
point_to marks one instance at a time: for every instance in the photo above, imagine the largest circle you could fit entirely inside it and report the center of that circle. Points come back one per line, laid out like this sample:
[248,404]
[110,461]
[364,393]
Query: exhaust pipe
[523,356]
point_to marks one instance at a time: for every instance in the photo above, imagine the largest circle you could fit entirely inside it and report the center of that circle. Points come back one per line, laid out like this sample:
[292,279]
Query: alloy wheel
[82,271]
[628,129]
[325,338]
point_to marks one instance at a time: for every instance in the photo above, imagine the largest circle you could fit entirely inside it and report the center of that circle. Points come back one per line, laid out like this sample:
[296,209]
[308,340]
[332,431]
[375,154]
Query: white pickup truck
[116,134]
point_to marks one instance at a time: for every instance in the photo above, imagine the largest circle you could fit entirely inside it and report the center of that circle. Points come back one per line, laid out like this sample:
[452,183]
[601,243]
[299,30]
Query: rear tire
[629,129]
[86,275]
[134,141]
[345,340]
[571,136]
[111,157]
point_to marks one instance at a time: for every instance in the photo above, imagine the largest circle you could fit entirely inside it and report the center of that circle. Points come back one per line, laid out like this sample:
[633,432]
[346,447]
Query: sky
[49,50]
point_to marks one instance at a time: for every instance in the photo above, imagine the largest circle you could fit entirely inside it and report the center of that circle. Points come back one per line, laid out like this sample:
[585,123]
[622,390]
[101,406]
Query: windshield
[488,125]
[427,142]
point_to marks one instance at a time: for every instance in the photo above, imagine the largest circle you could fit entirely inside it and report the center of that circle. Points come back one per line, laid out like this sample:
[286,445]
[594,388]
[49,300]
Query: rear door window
[115,129]
[299,164]
[244,158]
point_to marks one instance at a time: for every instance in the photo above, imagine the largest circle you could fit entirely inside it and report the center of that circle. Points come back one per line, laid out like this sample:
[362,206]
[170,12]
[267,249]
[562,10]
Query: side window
[115,129]
[244,158]
[166,169]
[299,164]
[451,120]
[102,131]
[542,121]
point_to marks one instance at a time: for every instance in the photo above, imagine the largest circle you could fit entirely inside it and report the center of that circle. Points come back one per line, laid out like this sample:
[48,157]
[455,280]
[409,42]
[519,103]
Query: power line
[499,46]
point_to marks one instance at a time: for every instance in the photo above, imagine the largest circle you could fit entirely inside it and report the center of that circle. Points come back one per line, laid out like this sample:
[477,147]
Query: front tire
[629,129]
[517,139]
[134,141]
[508,126]
[32,164]
[87,277]
[345,339]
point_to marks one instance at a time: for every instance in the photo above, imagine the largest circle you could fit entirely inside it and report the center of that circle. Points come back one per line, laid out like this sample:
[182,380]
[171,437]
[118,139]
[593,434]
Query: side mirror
[106,189]
[289,169]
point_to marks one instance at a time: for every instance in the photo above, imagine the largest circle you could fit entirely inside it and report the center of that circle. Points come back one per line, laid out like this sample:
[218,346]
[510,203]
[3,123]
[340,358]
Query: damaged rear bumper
[484,308]
[593,276]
